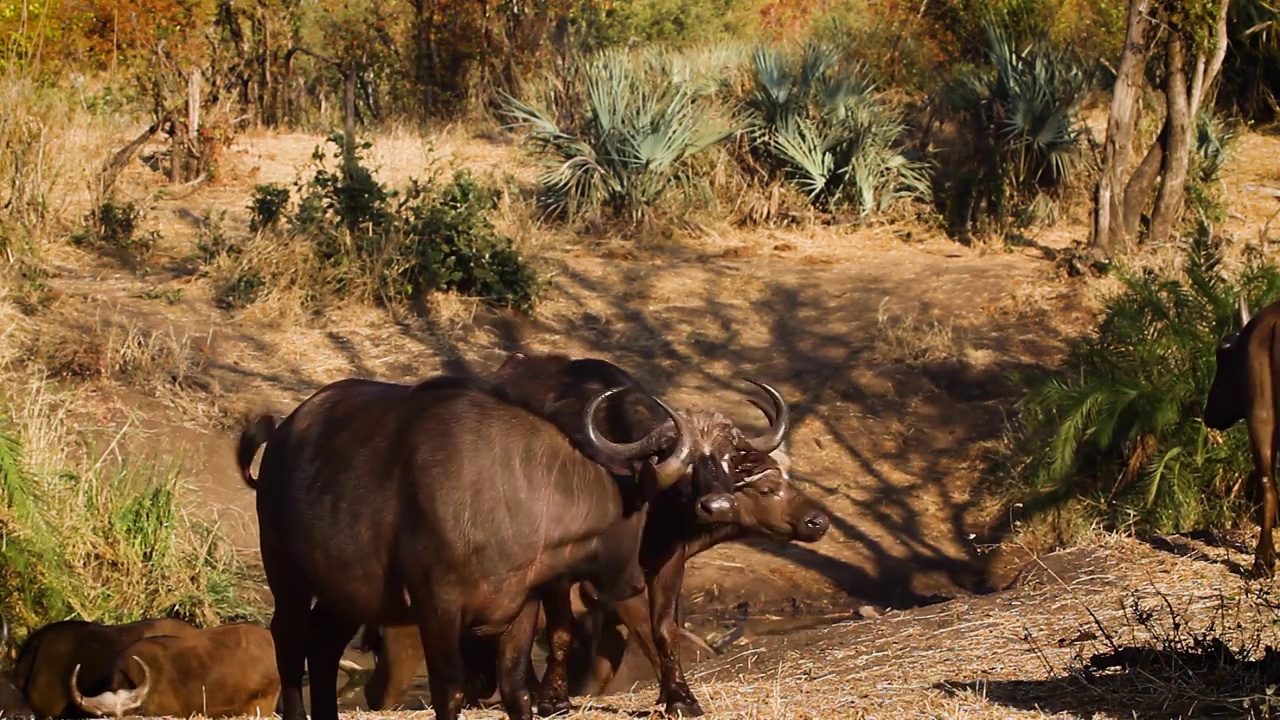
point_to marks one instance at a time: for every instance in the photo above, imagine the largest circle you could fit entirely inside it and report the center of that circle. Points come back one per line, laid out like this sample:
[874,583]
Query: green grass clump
[1120,426]
[90,538]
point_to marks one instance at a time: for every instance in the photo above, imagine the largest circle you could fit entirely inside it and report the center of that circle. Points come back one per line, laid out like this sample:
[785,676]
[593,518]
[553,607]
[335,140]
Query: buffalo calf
[47,657]
[218,672]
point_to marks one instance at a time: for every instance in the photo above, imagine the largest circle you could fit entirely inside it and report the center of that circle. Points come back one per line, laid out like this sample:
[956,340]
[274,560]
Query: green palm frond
[1132,393]
[638,119]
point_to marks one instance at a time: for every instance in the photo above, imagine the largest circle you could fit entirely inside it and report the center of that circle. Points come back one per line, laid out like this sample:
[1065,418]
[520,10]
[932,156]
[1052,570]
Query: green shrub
[117,226]
[1120,426]
[1021,139]
[369,241]
[102,541]
[816,120]
[448,243]
[623,135]
[269,203]
[1213,138]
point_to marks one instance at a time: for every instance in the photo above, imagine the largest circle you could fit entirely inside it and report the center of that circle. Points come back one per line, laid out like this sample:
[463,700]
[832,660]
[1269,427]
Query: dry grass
[911,340]
[123,351]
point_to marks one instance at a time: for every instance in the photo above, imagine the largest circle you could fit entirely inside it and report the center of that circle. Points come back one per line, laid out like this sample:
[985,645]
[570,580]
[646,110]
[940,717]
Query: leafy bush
[1120,427]
[367,240]
[1213,138]
[1021,138]
[624,136]
[815,120]
[117,226]
[268,205]
[90,540]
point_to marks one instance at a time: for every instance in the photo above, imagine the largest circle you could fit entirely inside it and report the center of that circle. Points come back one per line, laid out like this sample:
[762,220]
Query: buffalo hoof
[547,708]
[682,708]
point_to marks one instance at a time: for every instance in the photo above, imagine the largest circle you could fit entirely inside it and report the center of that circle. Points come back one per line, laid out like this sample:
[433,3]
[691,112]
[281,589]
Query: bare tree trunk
[1138,191]
[1108,231]
[1168,209]
[1207,71]
[349,116]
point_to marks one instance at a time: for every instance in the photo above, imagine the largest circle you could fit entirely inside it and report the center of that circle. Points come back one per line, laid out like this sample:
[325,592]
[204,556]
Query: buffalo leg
[1261,440]
[399,655]
[289,625]
[664,600]
[513,662]
[553,693]
[441,632]
[330,633]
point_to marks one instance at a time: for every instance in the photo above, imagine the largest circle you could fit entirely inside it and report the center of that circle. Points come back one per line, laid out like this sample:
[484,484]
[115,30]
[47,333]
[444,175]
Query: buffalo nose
[717,507]
[817,524]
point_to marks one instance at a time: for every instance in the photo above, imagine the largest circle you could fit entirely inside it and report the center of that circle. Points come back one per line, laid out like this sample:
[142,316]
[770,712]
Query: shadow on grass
[1209,680]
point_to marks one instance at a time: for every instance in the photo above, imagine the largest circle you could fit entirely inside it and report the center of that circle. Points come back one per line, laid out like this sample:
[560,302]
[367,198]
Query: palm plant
[817,120]
[1121,426]
[1021,116]
[628,138]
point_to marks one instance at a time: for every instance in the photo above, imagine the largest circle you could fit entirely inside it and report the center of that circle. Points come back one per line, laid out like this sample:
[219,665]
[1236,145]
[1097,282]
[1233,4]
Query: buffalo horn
[625,451]
[116,702]
[1244,310]
[676,465]
[779,420]
[4,635]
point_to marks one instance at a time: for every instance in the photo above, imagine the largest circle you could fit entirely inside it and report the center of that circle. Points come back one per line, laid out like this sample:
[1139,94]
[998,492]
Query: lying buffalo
[768,505]
[12,704]
[460,502]
[221,671]
[47,657]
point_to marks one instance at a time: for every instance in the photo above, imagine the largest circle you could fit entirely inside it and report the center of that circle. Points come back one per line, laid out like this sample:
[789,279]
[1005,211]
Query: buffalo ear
[1244,309]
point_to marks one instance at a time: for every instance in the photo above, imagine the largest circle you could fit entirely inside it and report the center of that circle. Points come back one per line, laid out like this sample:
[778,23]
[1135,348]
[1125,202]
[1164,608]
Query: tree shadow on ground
[883,438]
[1210,681]
[819,346]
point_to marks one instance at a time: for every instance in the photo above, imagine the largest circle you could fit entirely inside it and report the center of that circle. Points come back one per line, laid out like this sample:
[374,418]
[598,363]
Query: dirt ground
[891,343]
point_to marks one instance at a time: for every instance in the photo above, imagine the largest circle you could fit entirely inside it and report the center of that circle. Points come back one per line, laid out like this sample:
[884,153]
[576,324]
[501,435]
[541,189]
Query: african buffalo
[47,657]
[221,671]
[460,502]
[768,505]
[539,377]
[1244,388]
[12,704]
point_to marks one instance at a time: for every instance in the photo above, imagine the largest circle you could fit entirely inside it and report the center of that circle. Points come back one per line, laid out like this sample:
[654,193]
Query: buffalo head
[705,446]
[769,504]
[1226,404]
[113,702]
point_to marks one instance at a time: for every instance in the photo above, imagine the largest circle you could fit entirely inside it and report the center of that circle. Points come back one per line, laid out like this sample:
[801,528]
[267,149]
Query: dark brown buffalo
[12,704]
[459,503]
[1244,388]
[223,671]
[768,505]
[49,654]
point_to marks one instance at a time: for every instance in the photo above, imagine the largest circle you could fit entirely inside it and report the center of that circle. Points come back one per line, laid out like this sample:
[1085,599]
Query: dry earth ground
[890,342]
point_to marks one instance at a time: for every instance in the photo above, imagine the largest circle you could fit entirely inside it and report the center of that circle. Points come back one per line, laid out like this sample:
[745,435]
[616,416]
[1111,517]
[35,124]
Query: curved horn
[1244,309]
[75,691]
[626,451]
[779,420]
[676,465]
[138,695]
